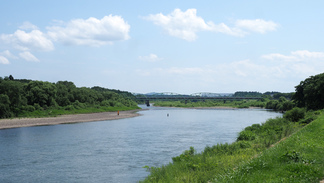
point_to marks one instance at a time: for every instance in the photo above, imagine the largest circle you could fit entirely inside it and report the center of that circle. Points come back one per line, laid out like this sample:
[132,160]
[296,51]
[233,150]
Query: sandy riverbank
[74,118]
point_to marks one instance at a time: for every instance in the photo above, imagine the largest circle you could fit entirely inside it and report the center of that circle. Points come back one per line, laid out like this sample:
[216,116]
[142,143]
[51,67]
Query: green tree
[4,106]
[310,93]
[15,91]
[295,114]
[64,94]
[11,78]
[86,95]
[42,93]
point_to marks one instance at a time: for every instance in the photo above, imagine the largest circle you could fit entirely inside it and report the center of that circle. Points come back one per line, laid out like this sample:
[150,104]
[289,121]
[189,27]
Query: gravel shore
[74,118]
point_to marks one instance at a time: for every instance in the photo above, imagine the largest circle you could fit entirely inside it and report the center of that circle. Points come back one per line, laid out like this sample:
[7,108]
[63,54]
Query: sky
[180,46]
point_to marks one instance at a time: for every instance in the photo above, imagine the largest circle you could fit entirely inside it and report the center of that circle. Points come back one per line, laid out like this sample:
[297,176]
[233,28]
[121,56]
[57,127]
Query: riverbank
[199,107]
[64,119]
[213,104]
[259,154]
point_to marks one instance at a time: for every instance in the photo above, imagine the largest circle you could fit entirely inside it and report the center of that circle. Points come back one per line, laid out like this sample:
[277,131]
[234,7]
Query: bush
[69,107]
[29,108]
[105,103]
[38,107]
[295,114]
[246,135]
[78,105]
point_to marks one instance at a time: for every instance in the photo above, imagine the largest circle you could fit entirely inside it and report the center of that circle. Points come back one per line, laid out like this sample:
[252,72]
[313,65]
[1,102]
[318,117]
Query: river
[117,150]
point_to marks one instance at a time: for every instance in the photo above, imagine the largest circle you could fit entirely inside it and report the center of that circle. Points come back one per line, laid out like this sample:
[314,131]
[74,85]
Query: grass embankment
[80,110]
[299,158]
[253,157]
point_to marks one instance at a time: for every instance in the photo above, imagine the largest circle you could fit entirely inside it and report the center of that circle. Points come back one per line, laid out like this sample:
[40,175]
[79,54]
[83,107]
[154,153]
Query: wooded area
[22,96]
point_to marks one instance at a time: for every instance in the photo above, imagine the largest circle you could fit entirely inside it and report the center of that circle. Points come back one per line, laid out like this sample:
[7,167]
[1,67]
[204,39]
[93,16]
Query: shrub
[105,103]
[37,107]
[295,114]
[185,156]
[78,105]
[69,107]
[246,135]
[29,108]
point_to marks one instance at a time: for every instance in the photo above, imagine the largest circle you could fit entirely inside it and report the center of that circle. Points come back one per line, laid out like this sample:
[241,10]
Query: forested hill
[19,97]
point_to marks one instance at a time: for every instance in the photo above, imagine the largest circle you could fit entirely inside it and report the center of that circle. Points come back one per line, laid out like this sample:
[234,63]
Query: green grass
[299,158]
[252,158]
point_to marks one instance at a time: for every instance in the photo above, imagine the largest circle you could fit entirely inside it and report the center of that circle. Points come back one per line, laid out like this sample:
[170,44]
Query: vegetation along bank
[287,149]
[28,98]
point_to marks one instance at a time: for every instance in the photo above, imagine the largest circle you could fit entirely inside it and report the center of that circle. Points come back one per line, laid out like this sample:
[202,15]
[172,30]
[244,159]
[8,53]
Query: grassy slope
[296,159]
[299,158]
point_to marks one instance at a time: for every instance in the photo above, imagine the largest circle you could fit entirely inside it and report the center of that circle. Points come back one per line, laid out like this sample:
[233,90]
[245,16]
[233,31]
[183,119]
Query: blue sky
[157,46]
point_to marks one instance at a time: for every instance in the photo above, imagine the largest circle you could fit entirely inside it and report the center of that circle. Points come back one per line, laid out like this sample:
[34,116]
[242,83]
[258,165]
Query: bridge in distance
[148,98]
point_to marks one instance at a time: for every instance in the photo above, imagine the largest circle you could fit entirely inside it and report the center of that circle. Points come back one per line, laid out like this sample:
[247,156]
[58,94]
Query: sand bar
[73,118]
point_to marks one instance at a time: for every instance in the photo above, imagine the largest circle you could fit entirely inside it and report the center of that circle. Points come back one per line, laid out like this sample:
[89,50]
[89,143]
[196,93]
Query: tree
[11,78]
[42,93]
[64,94]
[4,106]
[310,93]
[15,91]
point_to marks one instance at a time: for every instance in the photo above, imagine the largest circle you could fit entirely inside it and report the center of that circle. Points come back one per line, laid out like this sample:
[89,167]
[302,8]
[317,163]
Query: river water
[116,150]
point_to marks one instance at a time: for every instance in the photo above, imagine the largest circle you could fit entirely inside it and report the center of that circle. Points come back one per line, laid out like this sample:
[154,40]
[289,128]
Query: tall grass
[234,162]
[297,159]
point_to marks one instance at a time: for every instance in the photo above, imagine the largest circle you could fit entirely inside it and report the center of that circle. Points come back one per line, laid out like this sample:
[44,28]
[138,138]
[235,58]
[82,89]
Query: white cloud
[24,41]
[307,54]
[181,24]
[8,54]
[28,56]
[28,26]
[277,56]
[4,60]
[92,31]
[185,25]
[243,74]
[150,58]
[300,55]
[223,28]
[257,25]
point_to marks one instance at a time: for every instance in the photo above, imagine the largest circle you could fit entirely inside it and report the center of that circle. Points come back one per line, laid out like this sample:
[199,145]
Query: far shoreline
[214,107]
[67,119]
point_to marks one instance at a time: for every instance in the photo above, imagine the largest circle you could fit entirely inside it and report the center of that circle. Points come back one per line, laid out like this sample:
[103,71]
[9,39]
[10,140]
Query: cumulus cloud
[308,54]
[185,25]
[223,28]
[92,31]
[28,56]
[8,54]
[25,41]
[181,24]
[300,55]
[257,25]
[28,26]
[150,58]
[4,60]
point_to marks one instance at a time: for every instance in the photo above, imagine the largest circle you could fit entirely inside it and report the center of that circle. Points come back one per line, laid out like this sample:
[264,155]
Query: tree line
[18,96]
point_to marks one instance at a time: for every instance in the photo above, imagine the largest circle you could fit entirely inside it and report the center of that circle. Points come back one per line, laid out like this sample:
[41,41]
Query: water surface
[116,150]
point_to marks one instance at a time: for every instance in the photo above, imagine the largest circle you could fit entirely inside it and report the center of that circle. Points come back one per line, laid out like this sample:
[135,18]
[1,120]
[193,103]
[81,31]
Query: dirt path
[74,118]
